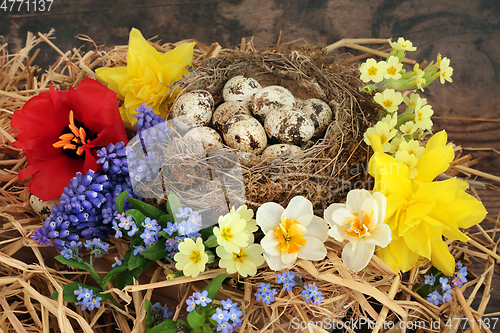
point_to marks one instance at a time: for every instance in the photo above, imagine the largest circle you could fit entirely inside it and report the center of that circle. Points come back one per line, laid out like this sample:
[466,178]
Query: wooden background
[468,32]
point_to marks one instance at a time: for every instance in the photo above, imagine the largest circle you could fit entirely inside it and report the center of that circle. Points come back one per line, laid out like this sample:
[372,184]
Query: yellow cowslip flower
[445,71]
[383,130]
[389,99]
[391,119]
[418,78]
[408,128]
[147,76]
[371,70]
[411,101]
[412,147]
[423,114]
[420,211]
[402,45]
[393,69]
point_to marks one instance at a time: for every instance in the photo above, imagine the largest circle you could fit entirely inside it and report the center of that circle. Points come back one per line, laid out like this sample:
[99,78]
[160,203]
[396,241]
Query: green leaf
[124,279]
[164,219]
[114,272]
[135,261]
[72,263]
[214,286]
[195,319]
[167,326]
[120,202]
[173,203]
[138,217]
[207,232]
[157,251]
[207,328]
[147,307]
[69,295]
[147,209]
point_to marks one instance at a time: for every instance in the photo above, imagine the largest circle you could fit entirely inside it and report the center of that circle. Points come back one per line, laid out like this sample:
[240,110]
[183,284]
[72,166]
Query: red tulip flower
[57,131]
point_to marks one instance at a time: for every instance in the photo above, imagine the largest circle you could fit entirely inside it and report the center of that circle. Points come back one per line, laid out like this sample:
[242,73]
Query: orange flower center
[357,228]
[392,70]
[289,234]
[387,103]
[226,234]
[195,256]
[372,71]
[73,140]
[240,257]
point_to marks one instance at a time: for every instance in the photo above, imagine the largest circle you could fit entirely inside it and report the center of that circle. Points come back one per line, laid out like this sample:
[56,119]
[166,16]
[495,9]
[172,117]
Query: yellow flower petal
[441,257]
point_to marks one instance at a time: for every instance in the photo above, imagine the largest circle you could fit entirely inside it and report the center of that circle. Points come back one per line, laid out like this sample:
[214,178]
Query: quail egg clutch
[252,119]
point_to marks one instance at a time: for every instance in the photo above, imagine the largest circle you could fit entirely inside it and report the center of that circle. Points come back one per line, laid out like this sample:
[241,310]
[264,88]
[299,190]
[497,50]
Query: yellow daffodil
[245,261]
[191,258]
[389,99]
[402,45]
[291,233]
[445,71]
[392,71]
[423,115]
[383,130]
[147,76]
[409,128]
[420,211]
[410,160]
[360,221]
[371,70]
[232,232]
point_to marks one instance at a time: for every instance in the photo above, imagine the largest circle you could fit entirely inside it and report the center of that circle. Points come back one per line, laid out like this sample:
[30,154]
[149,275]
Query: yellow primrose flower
[391,119]
[420,211]
[191,258]
[445,71]
[383,130]
[360,221]
[372,70]
[423,115]
[245,261]
[409,128]
[409,159]
[402,45]
[412,147]
[147,76]
[389,99]
[395,144]
[291,233]
[393,68]
[412,101]
[418,78]
[232,233]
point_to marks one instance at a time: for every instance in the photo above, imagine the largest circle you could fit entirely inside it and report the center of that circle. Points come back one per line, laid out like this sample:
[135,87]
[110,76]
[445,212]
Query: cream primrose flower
[392,71]
[232,233]
[391,119]
[191,258]
[412,101]
[408,128]
[291,233]
[402,45]
[423,115]
[445,71]
[389,99]
[245,261]
[247,215]
[409,159]
[360,221]
[372,70]
[398,139]
[412,147]
[383,130]
[418,78]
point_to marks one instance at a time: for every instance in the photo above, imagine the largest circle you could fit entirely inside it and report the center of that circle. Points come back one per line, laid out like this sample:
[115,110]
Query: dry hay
[29,275]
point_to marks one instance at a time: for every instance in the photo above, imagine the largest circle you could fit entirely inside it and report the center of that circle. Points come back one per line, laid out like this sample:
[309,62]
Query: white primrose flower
[361,222]
[291,233]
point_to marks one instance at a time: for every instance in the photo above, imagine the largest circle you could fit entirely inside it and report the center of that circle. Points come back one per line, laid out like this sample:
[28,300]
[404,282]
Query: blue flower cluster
[97,247]
[458,280]
[189,227]
[148,231]
[265,293]
[312,295]
[287,280]
[159,313]
[228,318]
[151,130]
[72,251]
[86,299]
[113,159]
[198,298]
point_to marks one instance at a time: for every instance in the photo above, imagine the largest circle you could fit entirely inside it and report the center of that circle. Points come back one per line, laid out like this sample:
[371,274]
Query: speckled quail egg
[270,98]
[225,111]
[319,112]
[245,133]
[280,149]
[193,109]
[240,89]
[42,208]
[289,125]
[207,136]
